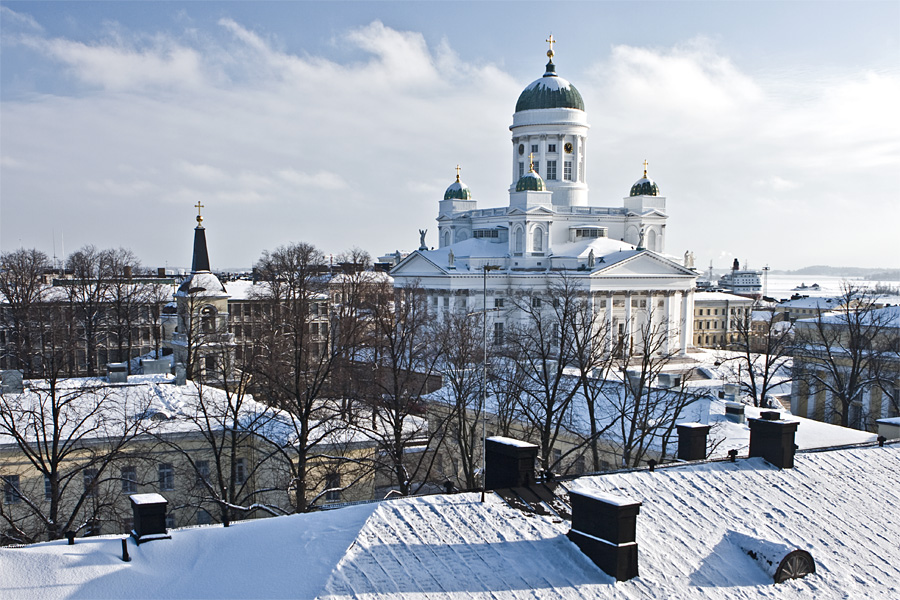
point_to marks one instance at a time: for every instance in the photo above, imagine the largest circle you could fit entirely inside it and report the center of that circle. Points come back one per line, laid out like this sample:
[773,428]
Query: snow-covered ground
[839,505]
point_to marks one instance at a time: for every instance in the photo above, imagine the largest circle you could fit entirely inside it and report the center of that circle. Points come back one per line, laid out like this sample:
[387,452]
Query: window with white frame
[202,468]
[498,302]
[498,333]
[537,242]
[567,170]
[534,148]
[519,240]
[333,487]
[90,482]
[240,473]
[521,170]
[166,476]
[551,170]
[11,489]
[551,147]
[129,480]
[48,488]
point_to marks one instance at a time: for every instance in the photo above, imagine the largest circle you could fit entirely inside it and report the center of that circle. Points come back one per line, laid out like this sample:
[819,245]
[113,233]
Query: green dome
[550,91]
[530,182]
[458,191]
[645,187]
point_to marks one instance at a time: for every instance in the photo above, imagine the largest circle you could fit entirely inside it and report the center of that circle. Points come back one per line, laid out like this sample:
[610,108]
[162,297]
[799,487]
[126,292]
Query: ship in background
[743,282]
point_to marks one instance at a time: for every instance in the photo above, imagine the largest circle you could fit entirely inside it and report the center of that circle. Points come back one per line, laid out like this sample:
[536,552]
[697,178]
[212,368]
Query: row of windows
[128,478]
[551,174]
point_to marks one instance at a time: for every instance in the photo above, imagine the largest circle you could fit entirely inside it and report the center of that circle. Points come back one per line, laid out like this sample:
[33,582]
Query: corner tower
[551,124]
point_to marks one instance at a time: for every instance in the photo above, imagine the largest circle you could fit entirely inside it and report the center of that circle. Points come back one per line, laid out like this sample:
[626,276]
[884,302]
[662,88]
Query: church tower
[200,340]
[550,124]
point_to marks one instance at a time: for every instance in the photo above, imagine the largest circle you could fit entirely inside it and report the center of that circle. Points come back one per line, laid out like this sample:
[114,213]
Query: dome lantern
[645,186]
[458,190]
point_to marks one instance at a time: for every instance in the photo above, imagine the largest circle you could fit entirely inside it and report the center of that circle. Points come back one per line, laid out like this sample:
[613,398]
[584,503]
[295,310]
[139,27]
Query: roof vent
[734,412]
[773,440]
[668,380]
[780,561]
[508,463]
[155,367]
[603,527]
[149,511]
[11,382]
[117,372]
[692,441]
[887,428]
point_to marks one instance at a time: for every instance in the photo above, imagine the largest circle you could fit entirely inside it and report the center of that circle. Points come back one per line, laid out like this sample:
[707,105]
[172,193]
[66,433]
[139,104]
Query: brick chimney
[604,527]
[773,440]
[508,463]
[692,441]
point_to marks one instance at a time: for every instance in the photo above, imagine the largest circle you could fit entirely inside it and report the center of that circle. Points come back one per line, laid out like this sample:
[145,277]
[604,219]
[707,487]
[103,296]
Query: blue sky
[771,127]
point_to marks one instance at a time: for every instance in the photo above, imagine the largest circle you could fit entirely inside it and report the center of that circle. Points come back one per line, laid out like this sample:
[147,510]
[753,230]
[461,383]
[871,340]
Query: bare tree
[22,292]
[763,345]
[69,434]
[841,351]
[403,357]
[300,339]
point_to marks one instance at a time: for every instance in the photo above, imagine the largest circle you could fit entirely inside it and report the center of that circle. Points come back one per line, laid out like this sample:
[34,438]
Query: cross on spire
[645,168]
[531,160]
[199,216]
[550,41]
[457,172]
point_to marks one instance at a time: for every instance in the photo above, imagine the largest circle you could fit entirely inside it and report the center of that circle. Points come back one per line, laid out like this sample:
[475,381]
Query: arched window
[462,235]
[519,240]
[446,238]
[651,240]
[537,240]
[208,319]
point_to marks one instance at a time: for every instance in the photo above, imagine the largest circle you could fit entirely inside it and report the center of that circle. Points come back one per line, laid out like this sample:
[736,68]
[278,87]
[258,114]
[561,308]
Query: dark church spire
[201,256]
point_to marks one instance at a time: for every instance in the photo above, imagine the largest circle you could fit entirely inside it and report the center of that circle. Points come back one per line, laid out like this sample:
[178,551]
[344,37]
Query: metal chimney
[692,441]
[509,463]
[604,527]
[773,440]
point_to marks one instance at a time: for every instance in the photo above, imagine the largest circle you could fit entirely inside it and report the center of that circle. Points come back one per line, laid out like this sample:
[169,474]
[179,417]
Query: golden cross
[645,167]
[550,41]
[457,172]
[199,206]
[531,160]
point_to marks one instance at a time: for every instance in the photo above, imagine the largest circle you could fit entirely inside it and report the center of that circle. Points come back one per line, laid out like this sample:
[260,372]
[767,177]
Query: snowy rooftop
[839,505]
[701,297]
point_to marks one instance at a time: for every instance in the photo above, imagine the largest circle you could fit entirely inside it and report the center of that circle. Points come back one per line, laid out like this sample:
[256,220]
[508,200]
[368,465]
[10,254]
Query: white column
[667,320]
[628,322]
[687,309]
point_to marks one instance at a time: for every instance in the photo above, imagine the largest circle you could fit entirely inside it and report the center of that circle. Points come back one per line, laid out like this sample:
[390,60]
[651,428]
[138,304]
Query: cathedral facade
[549,230]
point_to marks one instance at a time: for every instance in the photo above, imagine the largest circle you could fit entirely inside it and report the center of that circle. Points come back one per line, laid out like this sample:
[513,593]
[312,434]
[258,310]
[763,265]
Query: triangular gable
[645,263]
[416,264]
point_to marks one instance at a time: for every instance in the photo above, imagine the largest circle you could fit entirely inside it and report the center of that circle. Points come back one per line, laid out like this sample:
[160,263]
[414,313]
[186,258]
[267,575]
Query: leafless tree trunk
[21,285]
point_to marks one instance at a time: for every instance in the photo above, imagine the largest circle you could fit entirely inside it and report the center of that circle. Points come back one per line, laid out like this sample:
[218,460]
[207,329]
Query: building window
[240,474]
[202,468]
[208,319]
[551,170]
[446,238]
[519,240]
[567,170]
[11,488]
[498,302]
[333,487]
[521,170]
[166,477]
[170,521]
[535,302]
[537,242]
[534,148]
[129,480]
[210,362]
[498,333]
[551,147]
[90,481]
[203,517]
[537,166]
[48,489]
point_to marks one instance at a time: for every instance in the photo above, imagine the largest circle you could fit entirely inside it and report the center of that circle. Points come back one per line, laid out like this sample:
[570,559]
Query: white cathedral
[614,253]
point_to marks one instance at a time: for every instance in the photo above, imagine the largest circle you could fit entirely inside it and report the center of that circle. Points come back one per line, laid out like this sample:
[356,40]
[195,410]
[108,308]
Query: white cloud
[8,15]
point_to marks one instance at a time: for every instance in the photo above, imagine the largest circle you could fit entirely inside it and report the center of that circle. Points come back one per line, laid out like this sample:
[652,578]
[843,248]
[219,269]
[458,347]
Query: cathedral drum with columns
[549,231]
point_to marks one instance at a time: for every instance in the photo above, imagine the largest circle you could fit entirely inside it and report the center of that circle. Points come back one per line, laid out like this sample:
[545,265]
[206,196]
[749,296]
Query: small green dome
[550,91]
[530,182]
[645,187]
[458,190]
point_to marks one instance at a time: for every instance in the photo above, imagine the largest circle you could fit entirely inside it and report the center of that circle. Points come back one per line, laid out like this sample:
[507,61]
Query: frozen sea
[782,286]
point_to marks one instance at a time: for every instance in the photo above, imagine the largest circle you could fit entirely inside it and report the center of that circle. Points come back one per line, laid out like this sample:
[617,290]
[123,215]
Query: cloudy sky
[771,127]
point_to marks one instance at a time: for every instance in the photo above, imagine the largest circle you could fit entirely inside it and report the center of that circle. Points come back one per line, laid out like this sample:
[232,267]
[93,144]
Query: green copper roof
[530,182]
[645,187]
[458,191]
[550,91]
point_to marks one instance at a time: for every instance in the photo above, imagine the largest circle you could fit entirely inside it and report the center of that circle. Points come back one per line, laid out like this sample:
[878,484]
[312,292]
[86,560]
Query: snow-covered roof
[702,297]
[839,505]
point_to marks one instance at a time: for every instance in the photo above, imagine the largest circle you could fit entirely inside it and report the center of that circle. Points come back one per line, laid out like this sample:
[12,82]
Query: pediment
[645,263]
[417,264]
